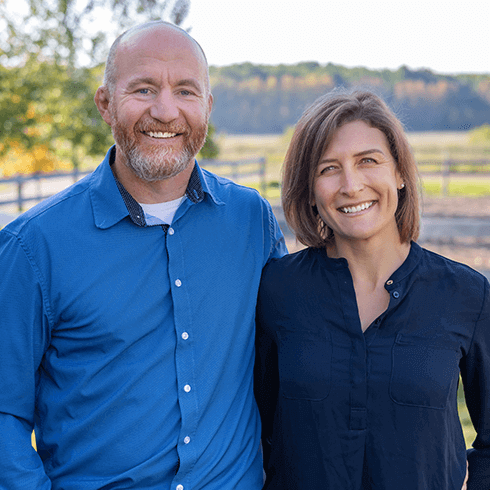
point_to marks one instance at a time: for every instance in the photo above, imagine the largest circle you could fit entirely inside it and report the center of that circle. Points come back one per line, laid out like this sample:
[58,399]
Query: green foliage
[46,96]
[210,150]
[45,104]
[63,30]
[480,135]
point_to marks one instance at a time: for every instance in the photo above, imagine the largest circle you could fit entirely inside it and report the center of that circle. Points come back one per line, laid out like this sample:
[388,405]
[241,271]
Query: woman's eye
[368,160]
[327,169]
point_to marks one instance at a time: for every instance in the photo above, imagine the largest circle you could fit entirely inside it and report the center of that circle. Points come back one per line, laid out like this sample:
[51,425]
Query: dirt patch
[472,251]
[474,207]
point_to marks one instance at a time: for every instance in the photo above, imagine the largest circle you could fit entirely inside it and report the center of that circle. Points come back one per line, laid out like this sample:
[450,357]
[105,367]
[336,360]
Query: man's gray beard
[160,164]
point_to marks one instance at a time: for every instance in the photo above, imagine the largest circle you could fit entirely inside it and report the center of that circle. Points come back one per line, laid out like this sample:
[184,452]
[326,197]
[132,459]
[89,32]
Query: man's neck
[152,192]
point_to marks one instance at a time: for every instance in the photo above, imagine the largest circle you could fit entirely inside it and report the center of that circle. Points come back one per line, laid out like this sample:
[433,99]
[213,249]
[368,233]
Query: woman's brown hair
[310,140]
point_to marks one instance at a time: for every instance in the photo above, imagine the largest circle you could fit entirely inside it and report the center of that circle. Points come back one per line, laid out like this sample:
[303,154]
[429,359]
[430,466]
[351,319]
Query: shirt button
[396,294]
[171,231]
[187,388]
[185,335]
[187,439]
[179,487]
[389,283]
[178,283]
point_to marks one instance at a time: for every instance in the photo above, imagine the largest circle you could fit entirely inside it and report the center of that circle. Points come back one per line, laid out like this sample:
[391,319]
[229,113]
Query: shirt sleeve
[266,374]
[475,373]
[276,241]
[23,324]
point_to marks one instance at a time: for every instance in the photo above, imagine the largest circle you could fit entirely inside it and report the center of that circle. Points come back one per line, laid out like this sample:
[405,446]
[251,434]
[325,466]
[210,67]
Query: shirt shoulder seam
[37,273]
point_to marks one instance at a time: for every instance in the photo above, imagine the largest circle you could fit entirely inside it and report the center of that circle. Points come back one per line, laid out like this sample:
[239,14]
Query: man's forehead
[163,36]
[141,47]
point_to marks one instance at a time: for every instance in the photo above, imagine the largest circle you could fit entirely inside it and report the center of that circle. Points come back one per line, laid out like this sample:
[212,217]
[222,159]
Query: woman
[361,337]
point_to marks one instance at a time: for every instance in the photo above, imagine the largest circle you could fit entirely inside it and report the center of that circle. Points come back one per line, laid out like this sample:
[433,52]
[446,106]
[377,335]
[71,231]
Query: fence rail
[450,167]
[32,188]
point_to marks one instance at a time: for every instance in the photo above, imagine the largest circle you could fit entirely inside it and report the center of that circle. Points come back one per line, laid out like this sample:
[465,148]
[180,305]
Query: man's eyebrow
[189,82]
[140,81]
[186,82]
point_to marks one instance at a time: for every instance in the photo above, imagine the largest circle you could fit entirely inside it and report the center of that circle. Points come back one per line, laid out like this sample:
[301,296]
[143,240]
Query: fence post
[19,194]
[263,181]
[446,170]
[234,171]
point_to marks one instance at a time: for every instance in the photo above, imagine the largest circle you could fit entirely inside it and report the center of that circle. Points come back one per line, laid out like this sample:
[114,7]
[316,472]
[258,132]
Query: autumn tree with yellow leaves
[51,65]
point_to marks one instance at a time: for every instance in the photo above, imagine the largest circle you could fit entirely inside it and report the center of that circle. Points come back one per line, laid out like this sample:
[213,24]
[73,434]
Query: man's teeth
[161,135]
[356,209]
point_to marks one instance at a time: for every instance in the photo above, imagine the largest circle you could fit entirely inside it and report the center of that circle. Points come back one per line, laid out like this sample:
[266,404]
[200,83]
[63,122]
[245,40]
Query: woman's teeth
[356,209]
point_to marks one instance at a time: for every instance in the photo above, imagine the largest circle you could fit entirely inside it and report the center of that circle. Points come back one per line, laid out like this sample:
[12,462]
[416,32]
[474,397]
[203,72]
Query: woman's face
[356,185]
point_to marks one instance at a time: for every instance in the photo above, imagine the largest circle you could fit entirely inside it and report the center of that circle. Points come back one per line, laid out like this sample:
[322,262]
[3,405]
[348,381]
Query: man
[128,299]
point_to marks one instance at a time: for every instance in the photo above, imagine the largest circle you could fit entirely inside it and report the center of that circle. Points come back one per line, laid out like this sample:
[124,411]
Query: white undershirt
[163,211]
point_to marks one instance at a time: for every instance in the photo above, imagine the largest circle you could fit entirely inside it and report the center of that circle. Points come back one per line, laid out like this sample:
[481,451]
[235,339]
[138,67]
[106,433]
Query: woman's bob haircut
[310,140]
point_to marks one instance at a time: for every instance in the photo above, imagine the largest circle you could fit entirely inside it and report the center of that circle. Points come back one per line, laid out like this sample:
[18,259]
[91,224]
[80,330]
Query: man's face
[160,106]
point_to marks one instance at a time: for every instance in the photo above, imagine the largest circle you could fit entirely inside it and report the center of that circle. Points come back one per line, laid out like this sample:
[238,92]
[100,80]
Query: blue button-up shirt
[374,410]
[129,347]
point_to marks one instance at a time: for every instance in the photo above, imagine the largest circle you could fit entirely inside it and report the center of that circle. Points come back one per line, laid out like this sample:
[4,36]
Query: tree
[70,32]
[51,66]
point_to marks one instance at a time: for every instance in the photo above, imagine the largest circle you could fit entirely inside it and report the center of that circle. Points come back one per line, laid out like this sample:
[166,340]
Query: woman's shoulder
[291,264]
[450,271]
[448,265]
[294,273]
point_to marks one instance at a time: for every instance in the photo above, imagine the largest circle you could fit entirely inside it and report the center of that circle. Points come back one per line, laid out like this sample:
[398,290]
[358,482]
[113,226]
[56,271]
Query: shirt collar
[410,263]
[112,202]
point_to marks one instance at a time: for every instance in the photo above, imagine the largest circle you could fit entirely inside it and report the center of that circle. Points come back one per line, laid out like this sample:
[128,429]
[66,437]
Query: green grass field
[468,430]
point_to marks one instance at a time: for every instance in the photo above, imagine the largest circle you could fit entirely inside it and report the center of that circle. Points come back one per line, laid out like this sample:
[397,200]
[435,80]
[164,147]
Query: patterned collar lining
[194,192]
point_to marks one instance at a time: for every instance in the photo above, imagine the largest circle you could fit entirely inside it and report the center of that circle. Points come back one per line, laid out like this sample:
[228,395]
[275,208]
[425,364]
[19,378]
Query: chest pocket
[423,371]
[304,364]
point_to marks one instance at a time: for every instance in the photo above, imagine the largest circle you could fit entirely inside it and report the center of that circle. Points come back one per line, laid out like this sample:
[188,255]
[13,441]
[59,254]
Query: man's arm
[23,330]
[475,374]
[276,242]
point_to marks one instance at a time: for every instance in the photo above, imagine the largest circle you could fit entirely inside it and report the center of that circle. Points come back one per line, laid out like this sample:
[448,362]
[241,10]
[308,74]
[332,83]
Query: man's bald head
[110,74]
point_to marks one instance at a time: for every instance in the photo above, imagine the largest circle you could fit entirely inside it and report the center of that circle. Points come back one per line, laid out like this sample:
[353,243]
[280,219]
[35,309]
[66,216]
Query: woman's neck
[371,262]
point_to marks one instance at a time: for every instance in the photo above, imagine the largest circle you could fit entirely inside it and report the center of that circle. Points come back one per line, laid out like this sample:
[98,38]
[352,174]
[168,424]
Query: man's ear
[102,101]
[210,103]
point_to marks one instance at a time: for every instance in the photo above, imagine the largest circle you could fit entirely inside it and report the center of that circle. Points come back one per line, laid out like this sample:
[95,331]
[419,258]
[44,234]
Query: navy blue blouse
[352,410]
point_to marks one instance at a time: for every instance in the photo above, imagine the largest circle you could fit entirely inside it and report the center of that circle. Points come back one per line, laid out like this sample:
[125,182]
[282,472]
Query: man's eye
[144,91]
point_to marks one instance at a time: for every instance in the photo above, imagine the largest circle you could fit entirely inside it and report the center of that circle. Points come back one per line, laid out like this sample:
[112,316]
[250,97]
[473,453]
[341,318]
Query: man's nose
[164,107]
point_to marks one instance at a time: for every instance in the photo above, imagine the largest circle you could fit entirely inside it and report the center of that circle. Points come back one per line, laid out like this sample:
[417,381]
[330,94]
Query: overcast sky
[444,36]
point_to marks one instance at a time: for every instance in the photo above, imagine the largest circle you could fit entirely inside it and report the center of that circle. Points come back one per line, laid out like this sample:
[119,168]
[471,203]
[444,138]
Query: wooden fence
[23,189]
[450,167]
